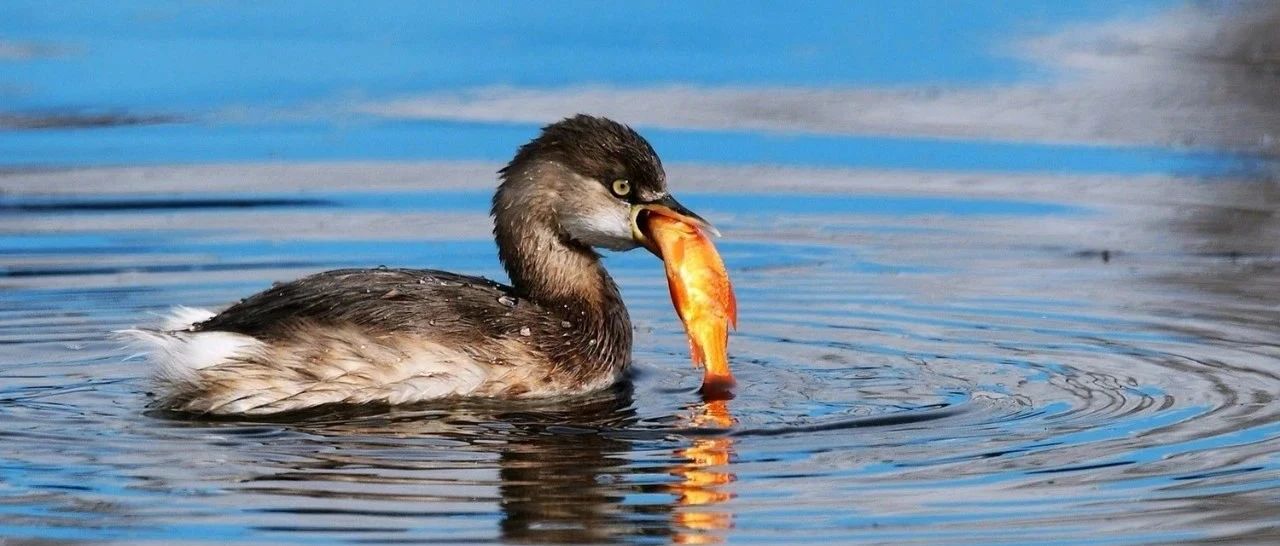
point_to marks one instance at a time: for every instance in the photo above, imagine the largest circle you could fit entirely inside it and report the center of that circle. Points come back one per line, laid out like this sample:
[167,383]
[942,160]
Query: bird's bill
[669,207]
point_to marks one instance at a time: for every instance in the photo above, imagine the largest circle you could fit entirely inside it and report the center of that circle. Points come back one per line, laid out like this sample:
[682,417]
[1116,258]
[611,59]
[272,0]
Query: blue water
[399,141]
[161,56]
[943,339]
[478,202]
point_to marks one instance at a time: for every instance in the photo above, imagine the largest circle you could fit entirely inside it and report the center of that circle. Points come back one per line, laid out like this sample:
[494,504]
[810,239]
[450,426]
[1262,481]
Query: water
[1006,331]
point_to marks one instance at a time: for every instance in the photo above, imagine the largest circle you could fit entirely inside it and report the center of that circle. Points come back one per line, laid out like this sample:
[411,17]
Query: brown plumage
[396,336]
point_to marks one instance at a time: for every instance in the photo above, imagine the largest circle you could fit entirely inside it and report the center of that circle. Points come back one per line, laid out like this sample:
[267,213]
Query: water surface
[956,335]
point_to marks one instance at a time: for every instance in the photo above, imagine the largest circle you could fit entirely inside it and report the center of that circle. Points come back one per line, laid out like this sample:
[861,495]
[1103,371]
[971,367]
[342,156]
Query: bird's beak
[667,206]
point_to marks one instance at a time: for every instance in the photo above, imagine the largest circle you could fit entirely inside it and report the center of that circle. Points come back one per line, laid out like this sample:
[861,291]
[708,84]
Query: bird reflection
[580,472]
[698,519]
[568,488]
[572,488]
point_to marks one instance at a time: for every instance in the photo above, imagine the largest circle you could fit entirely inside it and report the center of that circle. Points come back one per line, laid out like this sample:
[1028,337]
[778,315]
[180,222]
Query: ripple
[979,389]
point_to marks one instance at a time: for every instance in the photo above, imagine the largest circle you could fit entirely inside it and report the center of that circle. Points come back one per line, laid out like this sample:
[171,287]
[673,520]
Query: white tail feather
[178,354]
[183,317]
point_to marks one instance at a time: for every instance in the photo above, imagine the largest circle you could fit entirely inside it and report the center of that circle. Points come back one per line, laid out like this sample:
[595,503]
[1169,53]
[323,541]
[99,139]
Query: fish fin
[730,304]
[696,352]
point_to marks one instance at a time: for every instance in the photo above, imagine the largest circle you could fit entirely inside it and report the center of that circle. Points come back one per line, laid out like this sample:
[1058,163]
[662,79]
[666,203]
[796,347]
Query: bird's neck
[544,265]
[558,275]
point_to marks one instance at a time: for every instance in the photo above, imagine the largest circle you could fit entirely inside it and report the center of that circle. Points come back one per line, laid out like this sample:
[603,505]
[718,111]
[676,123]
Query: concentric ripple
[908,374]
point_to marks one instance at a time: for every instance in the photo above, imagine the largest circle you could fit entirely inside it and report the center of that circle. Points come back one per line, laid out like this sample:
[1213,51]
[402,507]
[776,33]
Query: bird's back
[382,302]
[363,336]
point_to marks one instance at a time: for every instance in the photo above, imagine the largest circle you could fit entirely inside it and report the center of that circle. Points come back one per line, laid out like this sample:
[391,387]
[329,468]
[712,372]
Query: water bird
[398,336]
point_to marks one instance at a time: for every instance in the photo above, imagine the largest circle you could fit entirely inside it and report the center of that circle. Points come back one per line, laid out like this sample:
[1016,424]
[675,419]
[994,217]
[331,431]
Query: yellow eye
[621,188]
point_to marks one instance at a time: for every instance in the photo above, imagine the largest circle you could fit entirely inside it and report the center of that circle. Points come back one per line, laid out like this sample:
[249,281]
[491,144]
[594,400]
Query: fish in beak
[669,207]
[699,285]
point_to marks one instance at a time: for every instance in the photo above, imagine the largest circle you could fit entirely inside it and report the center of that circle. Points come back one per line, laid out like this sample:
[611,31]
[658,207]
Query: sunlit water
[941,341]
[918,368]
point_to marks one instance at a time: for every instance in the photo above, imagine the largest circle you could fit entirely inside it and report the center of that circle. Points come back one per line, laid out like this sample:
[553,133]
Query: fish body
[701,292]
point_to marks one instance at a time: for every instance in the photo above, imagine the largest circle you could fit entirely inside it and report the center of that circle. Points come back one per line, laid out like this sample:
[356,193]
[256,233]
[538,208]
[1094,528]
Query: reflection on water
[562,474]
[700,515]
[979,372]
[942,341]
[558,488]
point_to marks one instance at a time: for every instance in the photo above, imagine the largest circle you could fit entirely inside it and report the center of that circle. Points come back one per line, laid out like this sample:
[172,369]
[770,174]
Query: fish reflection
[698,518]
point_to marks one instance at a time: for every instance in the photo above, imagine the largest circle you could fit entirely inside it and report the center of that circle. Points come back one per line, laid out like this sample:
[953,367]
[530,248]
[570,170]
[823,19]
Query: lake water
[1006,273]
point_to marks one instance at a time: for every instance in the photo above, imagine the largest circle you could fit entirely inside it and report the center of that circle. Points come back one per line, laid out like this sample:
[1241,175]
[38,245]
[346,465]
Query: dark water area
[1007,274]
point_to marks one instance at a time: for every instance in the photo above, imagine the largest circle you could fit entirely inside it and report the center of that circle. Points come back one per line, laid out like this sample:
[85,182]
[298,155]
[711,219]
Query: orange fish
[701,293]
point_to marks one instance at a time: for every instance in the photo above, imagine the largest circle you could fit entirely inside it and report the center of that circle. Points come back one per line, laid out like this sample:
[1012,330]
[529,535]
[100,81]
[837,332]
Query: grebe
[397,336]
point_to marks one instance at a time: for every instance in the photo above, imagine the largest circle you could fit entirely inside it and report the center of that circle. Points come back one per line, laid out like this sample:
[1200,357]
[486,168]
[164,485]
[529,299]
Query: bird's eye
[621,188]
